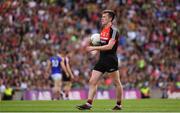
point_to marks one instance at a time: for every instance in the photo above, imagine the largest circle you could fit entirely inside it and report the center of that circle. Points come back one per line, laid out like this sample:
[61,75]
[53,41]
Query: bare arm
[48,69]
[64,67]
[69,69]
[109,46]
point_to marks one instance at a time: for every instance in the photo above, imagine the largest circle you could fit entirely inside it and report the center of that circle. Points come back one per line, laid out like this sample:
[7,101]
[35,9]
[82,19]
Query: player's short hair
[111,13]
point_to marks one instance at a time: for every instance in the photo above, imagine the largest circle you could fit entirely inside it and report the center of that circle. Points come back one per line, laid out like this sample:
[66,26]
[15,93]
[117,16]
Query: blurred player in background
[56,65]
[66,78]
[108,61]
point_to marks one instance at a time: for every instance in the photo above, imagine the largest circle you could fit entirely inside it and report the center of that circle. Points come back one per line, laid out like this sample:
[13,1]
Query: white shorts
[56,76]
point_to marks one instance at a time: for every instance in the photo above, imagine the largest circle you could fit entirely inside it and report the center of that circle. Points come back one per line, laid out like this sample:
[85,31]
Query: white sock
[88,104]
[119,105]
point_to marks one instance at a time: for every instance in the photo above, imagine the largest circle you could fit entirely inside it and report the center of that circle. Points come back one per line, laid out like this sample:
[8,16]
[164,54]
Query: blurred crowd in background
[32,30]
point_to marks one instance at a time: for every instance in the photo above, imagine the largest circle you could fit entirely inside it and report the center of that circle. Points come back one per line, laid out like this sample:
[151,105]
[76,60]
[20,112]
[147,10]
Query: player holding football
[107,62]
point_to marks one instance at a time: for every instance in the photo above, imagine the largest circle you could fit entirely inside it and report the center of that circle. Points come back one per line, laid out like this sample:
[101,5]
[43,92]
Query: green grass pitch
[140,105]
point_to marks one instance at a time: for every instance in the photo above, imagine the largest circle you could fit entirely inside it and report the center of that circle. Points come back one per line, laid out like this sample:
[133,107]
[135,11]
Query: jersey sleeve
[50,59]
[114,33]
[60,59]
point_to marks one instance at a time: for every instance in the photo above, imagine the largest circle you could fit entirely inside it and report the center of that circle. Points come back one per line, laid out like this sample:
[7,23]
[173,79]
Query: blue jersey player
[56,65]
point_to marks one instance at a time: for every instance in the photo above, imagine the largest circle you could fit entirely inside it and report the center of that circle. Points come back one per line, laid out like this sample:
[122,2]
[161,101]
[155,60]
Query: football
[95,39]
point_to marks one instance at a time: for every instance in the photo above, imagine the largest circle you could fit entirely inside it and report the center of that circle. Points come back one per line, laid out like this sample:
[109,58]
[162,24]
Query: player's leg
[54,89]
[92,90]
[67,88]
[93,84]
[119,89]
[57,86]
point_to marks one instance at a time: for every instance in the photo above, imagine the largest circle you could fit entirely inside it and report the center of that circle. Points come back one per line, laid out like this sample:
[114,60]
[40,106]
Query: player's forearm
[69,70]
[103,48]
[64,68]
[70,73]
[48,69]
[109,46]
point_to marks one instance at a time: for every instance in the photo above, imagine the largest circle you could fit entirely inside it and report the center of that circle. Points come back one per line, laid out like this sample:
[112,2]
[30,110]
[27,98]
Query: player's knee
[92,82]
[117,83]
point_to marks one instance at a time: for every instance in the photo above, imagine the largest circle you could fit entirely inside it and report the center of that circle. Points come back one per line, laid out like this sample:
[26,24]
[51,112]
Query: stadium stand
[149,45]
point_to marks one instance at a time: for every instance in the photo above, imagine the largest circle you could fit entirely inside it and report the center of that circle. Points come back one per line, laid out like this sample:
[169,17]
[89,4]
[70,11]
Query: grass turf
[140,105]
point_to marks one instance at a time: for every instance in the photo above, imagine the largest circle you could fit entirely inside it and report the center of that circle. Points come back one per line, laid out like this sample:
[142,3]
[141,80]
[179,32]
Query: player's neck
[108,25]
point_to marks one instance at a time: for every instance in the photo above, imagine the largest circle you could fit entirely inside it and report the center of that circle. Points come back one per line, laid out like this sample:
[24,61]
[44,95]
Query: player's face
[105,19]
